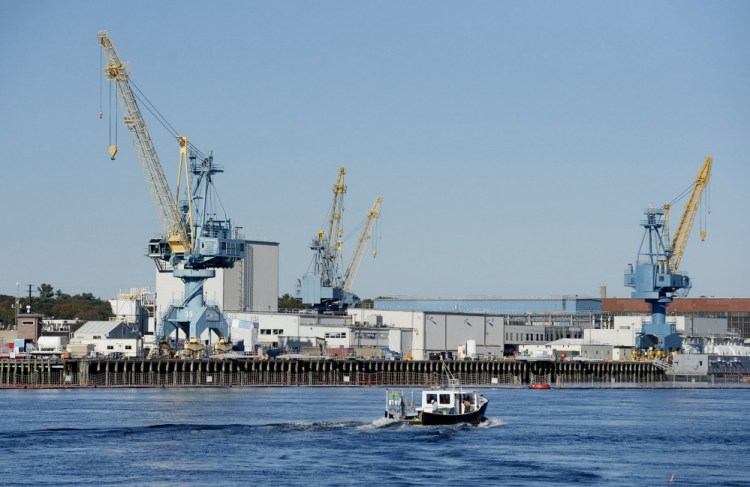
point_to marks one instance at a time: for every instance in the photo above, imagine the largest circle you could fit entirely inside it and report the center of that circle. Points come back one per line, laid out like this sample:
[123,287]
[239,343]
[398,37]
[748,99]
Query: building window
[97,337]
[110,347]
[128,347]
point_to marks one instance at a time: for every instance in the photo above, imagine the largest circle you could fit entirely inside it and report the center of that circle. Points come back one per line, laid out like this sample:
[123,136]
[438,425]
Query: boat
[440,406]
[540,386]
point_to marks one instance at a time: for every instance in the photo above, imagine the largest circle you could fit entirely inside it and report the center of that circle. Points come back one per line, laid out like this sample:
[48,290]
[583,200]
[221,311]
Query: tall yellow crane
[334,243]
[173,225]
[323,287]
[351,271]
[688,216]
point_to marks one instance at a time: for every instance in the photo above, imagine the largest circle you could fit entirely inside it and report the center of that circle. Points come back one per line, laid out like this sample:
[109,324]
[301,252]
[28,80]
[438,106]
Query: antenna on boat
[452,380]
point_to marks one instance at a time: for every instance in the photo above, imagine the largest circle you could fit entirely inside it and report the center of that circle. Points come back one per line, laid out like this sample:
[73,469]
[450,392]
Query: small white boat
[449,405]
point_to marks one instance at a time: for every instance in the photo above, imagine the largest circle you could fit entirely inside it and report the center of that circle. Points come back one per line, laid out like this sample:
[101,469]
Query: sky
[515,144]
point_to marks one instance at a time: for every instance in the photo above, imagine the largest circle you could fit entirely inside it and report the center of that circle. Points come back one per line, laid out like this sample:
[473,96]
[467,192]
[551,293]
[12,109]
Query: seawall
[310,372]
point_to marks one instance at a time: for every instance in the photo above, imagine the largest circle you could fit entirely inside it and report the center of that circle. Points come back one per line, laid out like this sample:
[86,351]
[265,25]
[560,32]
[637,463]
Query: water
[327,436]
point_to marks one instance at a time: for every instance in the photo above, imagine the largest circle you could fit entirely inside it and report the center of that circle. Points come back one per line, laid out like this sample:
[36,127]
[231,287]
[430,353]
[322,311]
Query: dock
[248,372]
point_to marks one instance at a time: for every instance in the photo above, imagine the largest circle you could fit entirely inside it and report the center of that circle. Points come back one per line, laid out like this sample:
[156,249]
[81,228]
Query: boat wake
[491,423]
[230,429]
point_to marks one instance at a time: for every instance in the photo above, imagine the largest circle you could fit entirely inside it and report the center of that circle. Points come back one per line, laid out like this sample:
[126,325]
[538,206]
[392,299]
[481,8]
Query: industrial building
[252,284]
[108,338]
[736,311]
[568,310]
[290,330]
[554,305]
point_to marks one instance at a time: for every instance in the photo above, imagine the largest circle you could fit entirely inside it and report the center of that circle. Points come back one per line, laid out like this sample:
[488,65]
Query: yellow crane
[173,225]
[688,216]
[332,241]
[351,271]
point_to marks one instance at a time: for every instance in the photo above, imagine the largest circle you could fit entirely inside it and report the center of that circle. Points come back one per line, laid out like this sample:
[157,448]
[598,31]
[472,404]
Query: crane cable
[705,211]
[151,108]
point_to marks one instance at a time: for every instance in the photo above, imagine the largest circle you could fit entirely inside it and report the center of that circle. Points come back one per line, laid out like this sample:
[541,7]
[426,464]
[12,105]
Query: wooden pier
[238,372]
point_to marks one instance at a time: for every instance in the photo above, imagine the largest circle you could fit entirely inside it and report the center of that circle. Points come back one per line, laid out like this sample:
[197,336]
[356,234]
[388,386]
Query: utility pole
[28,305]
[18,303]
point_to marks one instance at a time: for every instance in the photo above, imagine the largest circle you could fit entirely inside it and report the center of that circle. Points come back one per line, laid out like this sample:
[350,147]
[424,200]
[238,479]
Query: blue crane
[196,240]
[657,278]
[325,288]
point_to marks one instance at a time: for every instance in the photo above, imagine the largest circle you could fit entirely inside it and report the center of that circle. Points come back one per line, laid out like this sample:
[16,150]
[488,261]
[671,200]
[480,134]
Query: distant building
[29,326]
[572,304]
[736,311]
[134,306]
[109,338]
[573,310]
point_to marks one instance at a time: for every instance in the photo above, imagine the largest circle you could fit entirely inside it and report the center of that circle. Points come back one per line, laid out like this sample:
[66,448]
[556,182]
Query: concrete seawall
[310,372]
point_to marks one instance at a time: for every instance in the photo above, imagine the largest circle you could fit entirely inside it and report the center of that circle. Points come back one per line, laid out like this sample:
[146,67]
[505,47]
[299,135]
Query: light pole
[18,301]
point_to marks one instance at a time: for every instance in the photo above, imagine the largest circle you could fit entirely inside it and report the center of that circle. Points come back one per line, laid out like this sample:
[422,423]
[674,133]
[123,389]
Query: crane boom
[688,216]
[351,271]
[332,253]
[164,200]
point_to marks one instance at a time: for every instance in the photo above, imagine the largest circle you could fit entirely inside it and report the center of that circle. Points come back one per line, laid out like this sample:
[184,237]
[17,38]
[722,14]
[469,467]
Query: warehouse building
[736,311]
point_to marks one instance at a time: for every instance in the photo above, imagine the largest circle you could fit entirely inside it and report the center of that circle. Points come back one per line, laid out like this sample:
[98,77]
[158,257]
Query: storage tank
[49,344]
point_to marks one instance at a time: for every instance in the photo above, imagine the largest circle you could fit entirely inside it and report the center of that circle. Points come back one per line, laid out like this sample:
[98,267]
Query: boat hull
[474,417]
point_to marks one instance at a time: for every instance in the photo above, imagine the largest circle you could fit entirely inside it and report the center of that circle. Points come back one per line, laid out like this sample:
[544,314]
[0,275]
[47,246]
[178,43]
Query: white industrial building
[109,338]
[437,332]
[251,285]
[625,329]
[332,331]
[566,348]
[132,306]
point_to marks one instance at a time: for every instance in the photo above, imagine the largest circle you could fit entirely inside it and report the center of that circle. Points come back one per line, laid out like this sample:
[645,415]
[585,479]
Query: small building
[110,338]
[29,326]
[570,347]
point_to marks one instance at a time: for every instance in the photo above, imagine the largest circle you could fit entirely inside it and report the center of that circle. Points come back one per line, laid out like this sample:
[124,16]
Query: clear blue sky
[515,144]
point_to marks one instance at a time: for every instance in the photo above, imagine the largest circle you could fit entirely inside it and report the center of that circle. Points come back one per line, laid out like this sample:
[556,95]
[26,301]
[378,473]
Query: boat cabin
[450,401]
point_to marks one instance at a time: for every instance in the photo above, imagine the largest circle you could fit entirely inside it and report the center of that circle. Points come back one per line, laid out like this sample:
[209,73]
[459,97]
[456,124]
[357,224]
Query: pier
[240,372]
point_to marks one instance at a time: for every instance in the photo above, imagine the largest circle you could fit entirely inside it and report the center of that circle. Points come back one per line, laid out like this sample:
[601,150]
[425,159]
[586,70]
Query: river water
[337,436]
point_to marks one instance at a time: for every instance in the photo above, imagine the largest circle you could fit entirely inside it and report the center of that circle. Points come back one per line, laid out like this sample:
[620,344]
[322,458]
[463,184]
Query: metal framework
[688,216]
[166,205]
[351,271]
[197,241]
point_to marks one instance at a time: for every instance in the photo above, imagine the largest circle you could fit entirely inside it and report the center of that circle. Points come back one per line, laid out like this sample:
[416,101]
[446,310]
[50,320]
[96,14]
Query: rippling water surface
[336,436]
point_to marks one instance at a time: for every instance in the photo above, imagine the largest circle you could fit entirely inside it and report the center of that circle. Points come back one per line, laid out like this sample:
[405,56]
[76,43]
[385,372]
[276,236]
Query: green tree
[46,291]
[287,301]
[51,303]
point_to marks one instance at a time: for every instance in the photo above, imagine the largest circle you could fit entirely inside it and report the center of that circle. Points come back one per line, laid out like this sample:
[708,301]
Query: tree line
[55,304]
[287,301]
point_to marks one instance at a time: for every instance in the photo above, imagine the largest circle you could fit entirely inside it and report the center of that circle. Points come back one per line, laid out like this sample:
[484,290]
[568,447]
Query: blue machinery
[196,241]
[323,288]
[656,277]
[654,281]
